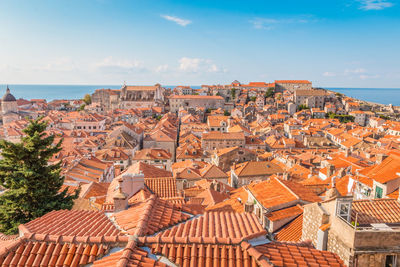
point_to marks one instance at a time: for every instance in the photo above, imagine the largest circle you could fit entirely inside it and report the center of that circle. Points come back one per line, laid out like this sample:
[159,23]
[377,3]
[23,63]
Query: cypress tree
[32,186]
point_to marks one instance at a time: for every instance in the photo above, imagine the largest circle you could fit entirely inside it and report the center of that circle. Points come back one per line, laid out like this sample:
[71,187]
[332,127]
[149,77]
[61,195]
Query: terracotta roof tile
[204,254]
[292,231]
[293,254]
[257,168]
[149,216]
[376,211]
[131,255]
[39,250]
[274,192]
[285,213]
[223,225]
[163,187]
[72,223]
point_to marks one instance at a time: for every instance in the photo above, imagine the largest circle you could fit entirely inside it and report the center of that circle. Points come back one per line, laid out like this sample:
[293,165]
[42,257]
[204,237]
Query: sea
[377,95]
[59,91]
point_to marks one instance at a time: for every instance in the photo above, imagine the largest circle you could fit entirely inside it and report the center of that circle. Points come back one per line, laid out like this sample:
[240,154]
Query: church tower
[9,107]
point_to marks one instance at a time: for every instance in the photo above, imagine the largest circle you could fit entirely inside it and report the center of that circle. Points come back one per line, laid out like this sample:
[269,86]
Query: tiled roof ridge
[4,237]
[191,240]
[305,243]
[126,254]
[142,226]
[75,239]
[260,258]
[4,250]
[287,187]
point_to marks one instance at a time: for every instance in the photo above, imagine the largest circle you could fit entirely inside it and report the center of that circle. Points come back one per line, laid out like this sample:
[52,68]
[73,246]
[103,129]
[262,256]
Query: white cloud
[329,74]
[162,68]
[271,23]
[179,21]
[366,76]
[111,65]
[355,71]
[375,4]
[194,65]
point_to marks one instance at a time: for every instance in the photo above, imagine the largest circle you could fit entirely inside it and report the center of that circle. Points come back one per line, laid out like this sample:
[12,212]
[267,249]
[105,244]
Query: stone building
[108,99]
[310,98]
[195,101]
[129,97]
[9,107]
[252,171]
[224,158]
[361,232]
[292,85]
[218,140]
[141,96]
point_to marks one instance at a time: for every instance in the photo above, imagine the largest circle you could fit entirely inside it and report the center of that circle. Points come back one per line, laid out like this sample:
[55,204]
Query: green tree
[253,98]
[270,92]
[226,113]
[341,118]
[301,107]
[32,186]
[384,117]
[87,99]
[233,93]
[82,107]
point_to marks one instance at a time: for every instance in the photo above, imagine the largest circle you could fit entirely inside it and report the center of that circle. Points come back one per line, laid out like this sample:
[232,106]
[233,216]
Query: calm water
[50,92]
[377,95]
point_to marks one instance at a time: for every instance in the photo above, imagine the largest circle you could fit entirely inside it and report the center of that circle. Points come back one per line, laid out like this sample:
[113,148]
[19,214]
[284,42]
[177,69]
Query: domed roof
[8,97]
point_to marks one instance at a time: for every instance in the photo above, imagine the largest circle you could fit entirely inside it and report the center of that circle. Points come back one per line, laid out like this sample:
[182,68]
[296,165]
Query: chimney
[342,172]
[348,153]
[120,198]
[330,170]
[285,176]
[380,157]
[132,182]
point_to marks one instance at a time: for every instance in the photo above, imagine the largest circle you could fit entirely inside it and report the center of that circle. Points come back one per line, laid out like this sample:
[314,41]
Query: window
[366,192]
[343,210]
[378,192]
[391,261]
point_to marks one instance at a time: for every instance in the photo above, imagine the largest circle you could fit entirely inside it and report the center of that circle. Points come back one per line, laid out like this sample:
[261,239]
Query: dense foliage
[32,186]
[270,92]
[341,118]
[87,99]
[301,107]
[233,93]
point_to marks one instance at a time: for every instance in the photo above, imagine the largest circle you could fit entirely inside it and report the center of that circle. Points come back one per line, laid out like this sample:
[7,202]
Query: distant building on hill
[292,85]
[129,97]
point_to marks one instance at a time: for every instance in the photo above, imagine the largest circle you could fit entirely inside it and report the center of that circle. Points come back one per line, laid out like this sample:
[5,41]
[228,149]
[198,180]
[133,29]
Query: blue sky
[343,43]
